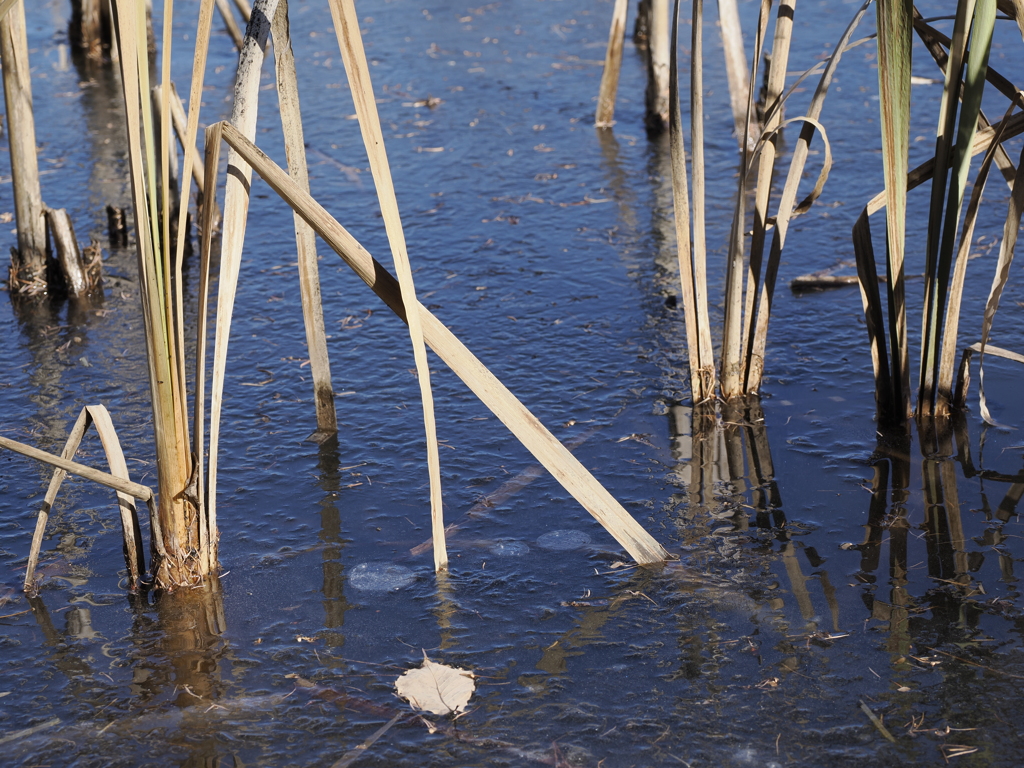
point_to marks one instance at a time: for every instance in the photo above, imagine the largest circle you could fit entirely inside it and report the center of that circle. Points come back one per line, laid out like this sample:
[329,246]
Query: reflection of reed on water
[335,604]
[724,464]
[952,602]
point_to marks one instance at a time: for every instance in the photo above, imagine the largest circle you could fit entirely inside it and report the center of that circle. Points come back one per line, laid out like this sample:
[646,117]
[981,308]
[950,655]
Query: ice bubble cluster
[380,577]
[563,540]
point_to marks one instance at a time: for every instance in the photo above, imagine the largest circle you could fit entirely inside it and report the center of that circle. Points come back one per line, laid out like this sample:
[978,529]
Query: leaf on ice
[436,688]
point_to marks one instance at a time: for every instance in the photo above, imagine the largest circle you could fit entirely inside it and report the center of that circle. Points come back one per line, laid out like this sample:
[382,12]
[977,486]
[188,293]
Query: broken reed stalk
[92,415]
[28,268]
[62,244]
[605,117]
[555,457]
[97,476]
[305,238]
[736,71]
[350,42]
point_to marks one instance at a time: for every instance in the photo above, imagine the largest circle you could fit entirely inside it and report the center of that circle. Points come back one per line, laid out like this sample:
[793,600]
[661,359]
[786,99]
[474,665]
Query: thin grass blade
[944,394]
[894,23]
[681,207]
[937,273]
[1002,274]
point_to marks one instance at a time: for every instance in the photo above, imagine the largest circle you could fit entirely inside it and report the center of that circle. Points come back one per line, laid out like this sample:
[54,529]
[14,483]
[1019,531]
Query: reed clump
[758,236]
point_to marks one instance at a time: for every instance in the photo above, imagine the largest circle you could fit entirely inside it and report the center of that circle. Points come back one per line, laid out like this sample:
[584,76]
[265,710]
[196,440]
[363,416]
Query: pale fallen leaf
[436,688]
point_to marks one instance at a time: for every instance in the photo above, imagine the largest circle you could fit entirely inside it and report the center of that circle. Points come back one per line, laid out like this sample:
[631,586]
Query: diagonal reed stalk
[934,42]
[97,415]
[944,394]
[346,25]
[555,457]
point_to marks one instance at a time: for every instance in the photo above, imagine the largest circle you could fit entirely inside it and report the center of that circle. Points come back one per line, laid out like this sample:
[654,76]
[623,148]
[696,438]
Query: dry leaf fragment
[436,688]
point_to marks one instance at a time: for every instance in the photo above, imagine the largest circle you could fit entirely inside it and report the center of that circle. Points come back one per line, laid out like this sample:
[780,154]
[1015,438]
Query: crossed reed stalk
[184,525]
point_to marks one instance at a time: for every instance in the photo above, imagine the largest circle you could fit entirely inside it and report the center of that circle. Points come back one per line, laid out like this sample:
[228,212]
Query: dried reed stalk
[894,22]
[738,329]
[30,265]
[175,561]
[658,54]
[96,415]
[115,482]
[305,238]
[187,130]
[605,117]
[691,254]
[229,23]
[350,41]
[737,72]
[788,207]
[733,323]
[555,457]
[236,207]
[5,6]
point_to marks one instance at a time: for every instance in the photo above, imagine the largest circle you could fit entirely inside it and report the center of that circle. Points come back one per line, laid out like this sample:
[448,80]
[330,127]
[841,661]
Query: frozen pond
[822,567]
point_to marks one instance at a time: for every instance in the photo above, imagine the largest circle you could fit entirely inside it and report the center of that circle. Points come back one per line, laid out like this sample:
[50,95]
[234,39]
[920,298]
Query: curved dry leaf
[436,688]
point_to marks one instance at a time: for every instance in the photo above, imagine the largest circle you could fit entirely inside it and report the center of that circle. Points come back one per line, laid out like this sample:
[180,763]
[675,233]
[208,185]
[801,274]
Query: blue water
[821,567]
